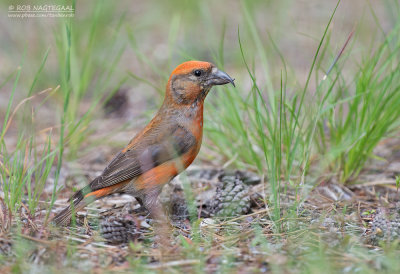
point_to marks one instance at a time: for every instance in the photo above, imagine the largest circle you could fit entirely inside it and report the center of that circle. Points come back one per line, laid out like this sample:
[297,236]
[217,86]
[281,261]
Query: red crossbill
[163,149]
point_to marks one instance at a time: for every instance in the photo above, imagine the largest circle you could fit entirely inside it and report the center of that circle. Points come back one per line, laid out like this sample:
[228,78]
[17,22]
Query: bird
[162,149]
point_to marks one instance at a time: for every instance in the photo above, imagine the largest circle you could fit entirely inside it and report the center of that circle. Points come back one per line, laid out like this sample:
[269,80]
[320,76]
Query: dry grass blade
[23,102]
[5,217]
[173,264]
[339,54]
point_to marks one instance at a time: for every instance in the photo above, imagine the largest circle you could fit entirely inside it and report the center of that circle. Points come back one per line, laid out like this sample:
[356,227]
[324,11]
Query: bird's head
[191,81]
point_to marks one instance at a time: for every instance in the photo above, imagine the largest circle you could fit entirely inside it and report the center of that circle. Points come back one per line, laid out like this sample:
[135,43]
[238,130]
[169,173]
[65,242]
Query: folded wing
[143,156]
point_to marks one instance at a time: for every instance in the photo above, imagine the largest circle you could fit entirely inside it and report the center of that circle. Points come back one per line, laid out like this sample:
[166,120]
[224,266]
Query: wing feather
[145,155]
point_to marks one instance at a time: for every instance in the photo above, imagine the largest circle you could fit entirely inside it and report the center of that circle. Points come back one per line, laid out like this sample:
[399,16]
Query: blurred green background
[155,36]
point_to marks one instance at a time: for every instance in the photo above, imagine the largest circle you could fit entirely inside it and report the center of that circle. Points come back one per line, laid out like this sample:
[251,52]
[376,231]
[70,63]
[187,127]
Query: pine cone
[178,209]
[232,196]
[385,228]
[119,230]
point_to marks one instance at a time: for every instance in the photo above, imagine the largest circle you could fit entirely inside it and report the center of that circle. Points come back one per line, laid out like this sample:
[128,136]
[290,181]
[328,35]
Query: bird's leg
[160,218]
[162,224]
[156,209]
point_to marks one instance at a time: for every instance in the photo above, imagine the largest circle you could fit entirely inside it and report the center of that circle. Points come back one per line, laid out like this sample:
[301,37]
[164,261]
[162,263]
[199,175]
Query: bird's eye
[197,72]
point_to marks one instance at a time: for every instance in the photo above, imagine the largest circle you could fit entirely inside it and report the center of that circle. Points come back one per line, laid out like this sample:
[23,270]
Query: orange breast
[196,128]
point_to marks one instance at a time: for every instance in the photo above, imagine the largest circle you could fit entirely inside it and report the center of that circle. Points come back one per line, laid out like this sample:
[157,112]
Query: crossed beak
[218,77]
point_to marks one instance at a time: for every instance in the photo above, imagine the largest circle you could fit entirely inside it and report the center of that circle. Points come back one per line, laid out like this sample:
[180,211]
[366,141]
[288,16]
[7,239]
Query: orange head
[191,81]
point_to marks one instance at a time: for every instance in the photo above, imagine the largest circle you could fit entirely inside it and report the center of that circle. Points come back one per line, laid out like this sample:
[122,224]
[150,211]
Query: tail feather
[64,217]
[79,195]
[81,199]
